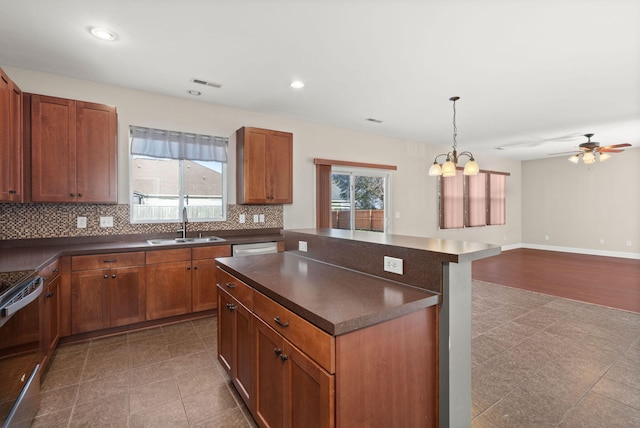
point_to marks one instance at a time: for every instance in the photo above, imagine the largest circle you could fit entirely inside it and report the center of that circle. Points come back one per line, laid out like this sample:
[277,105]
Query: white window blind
[161,143]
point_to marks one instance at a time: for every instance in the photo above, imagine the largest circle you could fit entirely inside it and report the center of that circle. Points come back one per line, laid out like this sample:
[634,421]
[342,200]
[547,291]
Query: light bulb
[435,170]
[449,169]
[574,159]
[471,168]
[588,158]
[604,156]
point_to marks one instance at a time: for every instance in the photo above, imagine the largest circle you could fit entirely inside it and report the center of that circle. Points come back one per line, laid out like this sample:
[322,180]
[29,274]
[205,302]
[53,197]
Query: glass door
[358,200]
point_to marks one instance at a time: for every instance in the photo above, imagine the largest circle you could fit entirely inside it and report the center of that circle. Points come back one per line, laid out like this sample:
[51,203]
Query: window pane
[155,186]
[497,199]
[202,182]
[369,203]
[452,202]
[341,201]
[477,200]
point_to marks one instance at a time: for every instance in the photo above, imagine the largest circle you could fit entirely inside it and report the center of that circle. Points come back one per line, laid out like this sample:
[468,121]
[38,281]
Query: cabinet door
[50,327]
[53,151]
[96,162]
[89,300]
[279,161]
[168,289]
[127,295]
[243,353]
[310,391]
[269,371]
[226,328]
[10,140]
[203,283]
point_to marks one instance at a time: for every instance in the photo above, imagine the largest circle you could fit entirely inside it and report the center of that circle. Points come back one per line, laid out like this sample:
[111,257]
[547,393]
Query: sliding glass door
[359,200]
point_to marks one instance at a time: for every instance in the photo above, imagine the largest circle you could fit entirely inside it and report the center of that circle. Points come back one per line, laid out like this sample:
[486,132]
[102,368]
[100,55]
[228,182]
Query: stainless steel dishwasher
[242,250]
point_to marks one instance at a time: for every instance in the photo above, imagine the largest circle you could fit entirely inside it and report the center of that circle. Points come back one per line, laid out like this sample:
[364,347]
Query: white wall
[578,205]
[414,193]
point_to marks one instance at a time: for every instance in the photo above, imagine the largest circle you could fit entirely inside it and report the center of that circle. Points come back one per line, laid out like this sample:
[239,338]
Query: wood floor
[607,281]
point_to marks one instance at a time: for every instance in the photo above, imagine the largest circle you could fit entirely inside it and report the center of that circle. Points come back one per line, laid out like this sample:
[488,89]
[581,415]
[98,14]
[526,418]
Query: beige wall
[578,205]
[414,193]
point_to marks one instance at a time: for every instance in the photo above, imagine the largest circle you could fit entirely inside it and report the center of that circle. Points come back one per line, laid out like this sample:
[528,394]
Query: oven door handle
[9,310]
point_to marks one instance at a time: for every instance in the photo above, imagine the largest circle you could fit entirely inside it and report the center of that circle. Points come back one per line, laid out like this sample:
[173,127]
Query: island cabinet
[11,154]
[264,166]
[363,368]
[50,310]
[235,333]
[107,290]
[203,280]
[73,150]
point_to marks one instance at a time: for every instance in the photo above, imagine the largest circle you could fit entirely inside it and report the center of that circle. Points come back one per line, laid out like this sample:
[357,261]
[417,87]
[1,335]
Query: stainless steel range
[19,347]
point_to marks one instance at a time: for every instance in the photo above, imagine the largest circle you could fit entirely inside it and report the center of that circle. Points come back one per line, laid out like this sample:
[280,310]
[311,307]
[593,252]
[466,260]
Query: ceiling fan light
[449,169]
[574,159]
[435,170]
[471,168]
[588,158]
[604,156]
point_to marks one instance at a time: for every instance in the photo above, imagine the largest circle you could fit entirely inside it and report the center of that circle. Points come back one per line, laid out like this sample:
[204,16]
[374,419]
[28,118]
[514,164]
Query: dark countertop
[37,253]
[333,298]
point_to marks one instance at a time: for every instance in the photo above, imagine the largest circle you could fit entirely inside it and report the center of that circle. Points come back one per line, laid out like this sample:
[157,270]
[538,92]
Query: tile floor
[538,361]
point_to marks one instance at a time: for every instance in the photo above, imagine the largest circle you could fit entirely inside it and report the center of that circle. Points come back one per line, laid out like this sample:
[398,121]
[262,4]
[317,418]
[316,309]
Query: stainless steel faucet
[185,220]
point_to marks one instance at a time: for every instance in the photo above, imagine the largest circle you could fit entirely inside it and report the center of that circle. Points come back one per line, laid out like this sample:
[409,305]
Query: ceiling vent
[205,83]
[371,119]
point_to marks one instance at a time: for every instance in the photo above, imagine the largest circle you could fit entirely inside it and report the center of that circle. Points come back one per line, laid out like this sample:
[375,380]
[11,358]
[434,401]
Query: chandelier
[448,169]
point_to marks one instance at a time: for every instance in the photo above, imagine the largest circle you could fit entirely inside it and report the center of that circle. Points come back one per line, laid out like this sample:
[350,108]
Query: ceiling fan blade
[566,153]
[615,146]
[606,150]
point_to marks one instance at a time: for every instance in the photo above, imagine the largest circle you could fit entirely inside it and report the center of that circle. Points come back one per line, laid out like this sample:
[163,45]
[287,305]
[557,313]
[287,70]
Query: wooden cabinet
[235,333]
[264,166]
[11,154]
[50,304]
[73,151]
[107,290]
[203,277]
[168,283]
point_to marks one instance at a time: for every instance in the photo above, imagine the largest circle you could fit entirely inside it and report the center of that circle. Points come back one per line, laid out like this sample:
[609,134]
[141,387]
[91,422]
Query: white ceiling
[533,75]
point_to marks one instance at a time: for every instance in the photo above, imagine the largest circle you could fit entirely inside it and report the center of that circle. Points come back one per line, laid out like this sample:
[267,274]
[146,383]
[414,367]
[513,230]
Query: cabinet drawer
[236,288]
[51,271]
[103,261]
[166,256]
[198,253]
[314,342]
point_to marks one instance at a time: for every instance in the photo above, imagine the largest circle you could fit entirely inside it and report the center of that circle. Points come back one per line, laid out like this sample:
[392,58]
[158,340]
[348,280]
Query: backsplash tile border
[32,221]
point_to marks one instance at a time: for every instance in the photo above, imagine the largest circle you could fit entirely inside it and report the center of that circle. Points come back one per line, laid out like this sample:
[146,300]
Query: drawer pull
[280,323]
[231,307]
[277,352]
[113,276]
[106,276]
[110,261]
[284,357]
[230,285]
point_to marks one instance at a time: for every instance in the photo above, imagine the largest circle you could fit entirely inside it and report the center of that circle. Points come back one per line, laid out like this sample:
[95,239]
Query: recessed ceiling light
[104,34]
[297,84]
[195,93]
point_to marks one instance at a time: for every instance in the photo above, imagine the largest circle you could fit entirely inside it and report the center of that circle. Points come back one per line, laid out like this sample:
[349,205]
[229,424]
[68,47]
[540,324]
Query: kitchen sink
[175,241]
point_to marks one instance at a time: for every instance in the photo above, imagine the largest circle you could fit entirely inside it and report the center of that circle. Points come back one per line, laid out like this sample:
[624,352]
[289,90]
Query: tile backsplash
[31,221]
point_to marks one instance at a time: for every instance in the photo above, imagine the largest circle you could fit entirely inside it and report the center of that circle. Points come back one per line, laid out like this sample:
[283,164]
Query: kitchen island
[387,349]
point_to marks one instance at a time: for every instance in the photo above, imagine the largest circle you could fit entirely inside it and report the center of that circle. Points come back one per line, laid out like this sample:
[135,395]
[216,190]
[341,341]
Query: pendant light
[448,169]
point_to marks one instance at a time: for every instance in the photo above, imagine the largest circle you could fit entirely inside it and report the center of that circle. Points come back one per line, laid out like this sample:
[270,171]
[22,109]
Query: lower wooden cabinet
[110,296]
[203,278]
[168,283]
[50,320]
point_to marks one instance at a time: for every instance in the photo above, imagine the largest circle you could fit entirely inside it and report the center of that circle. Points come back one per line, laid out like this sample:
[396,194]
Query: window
[473,201]
[353,196]
[171,170]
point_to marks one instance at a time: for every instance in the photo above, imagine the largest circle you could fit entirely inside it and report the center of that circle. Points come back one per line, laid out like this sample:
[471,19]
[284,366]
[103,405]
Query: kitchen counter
[34,254]
[333,298]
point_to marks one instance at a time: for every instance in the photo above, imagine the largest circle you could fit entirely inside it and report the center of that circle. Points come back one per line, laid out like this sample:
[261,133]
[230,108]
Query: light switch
[81,222]
[106,221]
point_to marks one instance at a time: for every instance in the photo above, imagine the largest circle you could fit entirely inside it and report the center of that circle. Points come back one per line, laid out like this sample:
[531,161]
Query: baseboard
[589,251]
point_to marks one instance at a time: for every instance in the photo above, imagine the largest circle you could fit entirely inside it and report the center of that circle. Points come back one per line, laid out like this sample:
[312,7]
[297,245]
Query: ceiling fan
[590,149]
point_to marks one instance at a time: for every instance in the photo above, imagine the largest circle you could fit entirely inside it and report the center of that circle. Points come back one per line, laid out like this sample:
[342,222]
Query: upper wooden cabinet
[11,159]
[265,166]
[73,150]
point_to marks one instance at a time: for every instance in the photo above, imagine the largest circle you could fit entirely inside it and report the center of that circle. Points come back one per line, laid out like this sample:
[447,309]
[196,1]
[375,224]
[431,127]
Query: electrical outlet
[302,246]
[628,243]
[546,237]
[261,218]
[106,221]
[601,241]
[392,264]
[256,218]
[81,222]
[241,219]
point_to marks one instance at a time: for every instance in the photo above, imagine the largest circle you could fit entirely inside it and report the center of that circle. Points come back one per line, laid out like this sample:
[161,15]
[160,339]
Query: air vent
[205,83]
[370,119]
